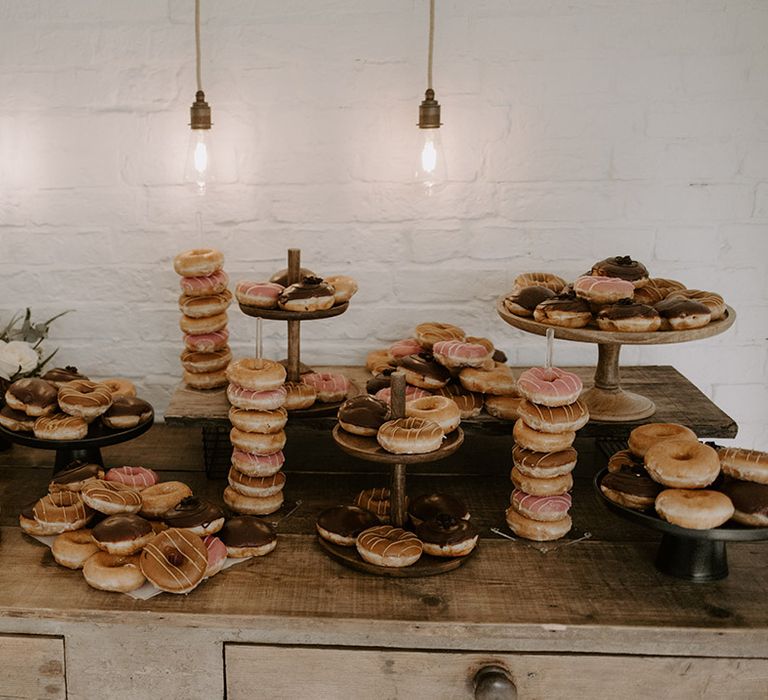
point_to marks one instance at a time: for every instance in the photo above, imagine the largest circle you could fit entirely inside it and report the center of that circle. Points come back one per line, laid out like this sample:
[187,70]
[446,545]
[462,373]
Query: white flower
[17,356]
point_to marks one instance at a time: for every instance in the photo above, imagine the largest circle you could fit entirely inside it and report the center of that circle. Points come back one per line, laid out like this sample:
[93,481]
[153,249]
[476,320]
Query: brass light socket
[429,111]
[200,112]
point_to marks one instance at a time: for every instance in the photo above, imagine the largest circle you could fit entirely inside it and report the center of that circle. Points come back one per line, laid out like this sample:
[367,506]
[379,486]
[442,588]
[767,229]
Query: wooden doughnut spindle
[397,485]
[294,327]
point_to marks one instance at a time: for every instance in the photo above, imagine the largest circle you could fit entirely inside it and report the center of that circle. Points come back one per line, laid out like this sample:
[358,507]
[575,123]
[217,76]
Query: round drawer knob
[494,683]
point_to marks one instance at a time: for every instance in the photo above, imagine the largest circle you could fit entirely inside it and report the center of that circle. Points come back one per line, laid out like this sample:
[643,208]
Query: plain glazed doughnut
[543,465]
[122,534]
[410,436]
[196,362]
[72,549]
[430,333]
[682,463]
[205,285]
[199,307]
[85,399]
[537,530]
[109,572]
[257,443]
[249,505]
[245,536]
[240,397]
[503,407]
[697,510]
[345,287]
[747,465]
[207,342]
[384,545]
[256,486]
[376,500]
[554,419]
[438,409]
[539,279]
[256,374]
[461,353]
[159,499]
[61,511]
[553,486]
[498,381]
[136,477]
[119,387]
[446,536]
[111,497]
[205,380]
[175,561]
[549,386]
[342,524]
[329,387]
[198,262]
[531,439]
[258,421]
[262,295]
[645,436]
[203,324]
[257,465]
[299,395]
[60,426]
[548,508]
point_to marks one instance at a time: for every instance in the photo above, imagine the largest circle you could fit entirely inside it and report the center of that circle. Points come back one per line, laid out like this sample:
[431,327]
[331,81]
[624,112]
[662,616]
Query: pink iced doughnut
[203,286]
[549,387]
[135,477]
[241,397]
[546,508]
[260,294]
[206,342]
[403,348]
[329,387]
[217,555]
[257,465]
[603,290]
[457,353]
[411,393]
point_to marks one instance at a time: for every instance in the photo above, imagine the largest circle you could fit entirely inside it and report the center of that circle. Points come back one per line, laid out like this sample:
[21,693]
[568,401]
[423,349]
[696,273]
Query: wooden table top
[597,595]
[677,401]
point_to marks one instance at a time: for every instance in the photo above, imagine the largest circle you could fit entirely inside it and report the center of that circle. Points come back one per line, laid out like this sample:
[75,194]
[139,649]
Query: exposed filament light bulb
[430,168]
[197,169]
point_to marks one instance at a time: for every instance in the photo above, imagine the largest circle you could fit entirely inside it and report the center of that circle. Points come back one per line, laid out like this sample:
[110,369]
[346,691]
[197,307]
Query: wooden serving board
[283,315]
[368,449]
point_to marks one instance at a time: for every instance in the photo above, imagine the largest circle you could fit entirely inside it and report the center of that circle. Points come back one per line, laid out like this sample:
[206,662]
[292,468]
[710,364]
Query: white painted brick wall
[574,130]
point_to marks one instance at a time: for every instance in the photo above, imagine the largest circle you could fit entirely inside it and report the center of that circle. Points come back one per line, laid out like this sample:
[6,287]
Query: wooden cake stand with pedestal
[606,400]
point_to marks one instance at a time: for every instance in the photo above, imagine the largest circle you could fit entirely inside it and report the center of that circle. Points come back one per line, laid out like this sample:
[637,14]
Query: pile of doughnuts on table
[617,294]
[688,483]
[62,403]
[124,527]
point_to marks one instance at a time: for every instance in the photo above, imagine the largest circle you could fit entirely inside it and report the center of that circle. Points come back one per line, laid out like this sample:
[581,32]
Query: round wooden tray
[425,566]
[368,449]
[281,315]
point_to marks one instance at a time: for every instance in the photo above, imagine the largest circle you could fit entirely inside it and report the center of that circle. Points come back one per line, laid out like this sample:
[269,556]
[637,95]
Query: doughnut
[623,267]
[714,302]
[109,572]
[470,403]
[72,549]
[680,314]
[539,279]
[240,397]
[379,381]
[126,412]
[257,465]
[256,374]
[18,421]
[498,381]
[119,387]
[503,407]
[554,419]
[430,333]
[204,324]
[403,348]
[537,530]
[645,436]
[524,301]
[628,317]
[549,386]
[197,362]
[430,505]
[750,502]
[376,500]
[205,380]
[207,342]
[197,262]
[624,460]
[422,371]
[543,465]
[411,393]
[205,285]
[446,536]
[363,415]
[175,561]
[630,488]
[281,276]
[262,295]
[160,498]
[299,395]
[200,307]
[696,510]
[656,290]
[217,555]
[193,514]
[136,477]
[384,545]
[85,399]
[256,486]
[603,290]
[548,508]
[410,436]
[460,353]
[377,361]
[437,409]
[552,486]
[32,396]
[563,310]
[33,527]
[111,497]
[257,443]
[61,511]
[258,421]
[345,287]
[249,505]
[538,441]
[329,387]
[682,463]
[245,536]
[747,465]
[311,294]
[74,476]
[61,375]
[60,427]
[123,534]
[342,524]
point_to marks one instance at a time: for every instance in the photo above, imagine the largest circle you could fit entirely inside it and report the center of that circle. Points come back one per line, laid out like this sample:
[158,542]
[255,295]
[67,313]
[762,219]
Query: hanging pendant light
[430,166]
[197,169]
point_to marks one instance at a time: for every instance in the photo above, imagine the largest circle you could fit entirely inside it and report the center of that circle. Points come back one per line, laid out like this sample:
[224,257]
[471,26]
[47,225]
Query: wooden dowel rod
[397,495]
[397,400]
[294,351]
[294,265]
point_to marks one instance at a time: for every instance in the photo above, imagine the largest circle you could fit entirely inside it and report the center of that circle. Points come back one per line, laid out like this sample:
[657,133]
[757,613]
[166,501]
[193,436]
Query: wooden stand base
[617,405]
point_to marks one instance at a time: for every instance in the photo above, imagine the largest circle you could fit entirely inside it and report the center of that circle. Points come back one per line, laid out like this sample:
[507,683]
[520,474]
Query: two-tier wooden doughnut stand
[368,449]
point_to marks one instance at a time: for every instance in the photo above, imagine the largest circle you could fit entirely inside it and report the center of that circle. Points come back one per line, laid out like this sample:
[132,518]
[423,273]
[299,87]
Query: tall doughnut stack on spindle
[543,455]
[203,305]
[257,393]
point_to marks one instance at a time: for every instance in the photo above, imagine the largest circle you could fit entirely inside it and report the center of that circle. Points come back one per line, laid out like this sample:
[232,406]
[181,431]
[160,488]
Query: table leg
[66,455]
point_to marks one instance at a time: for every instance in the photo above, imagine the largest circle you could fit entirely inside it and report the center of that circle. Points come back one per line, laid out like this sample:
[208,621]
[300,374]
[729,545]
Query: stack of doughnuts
[257,394]
[543,455]
[203,304]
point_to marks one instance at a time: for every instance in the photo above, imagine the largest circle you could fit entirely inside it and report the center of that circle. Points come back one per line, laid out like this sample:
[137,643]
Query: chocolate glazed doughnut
[624,267]
[342,524]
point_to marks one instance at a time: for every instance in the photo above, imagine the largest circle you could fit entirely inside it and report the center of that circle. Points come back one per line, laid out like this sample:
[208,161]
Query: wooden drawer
[301,672]
[32,667]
